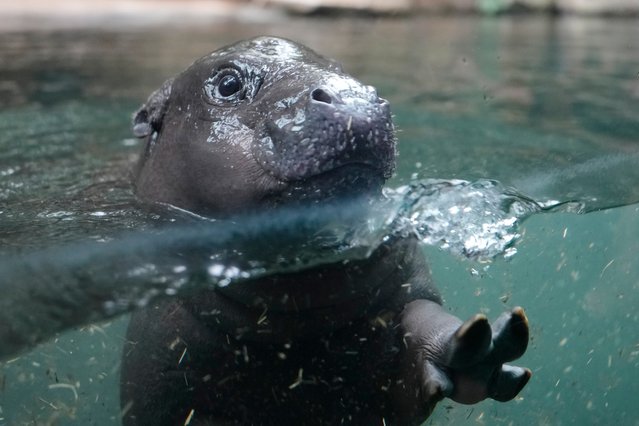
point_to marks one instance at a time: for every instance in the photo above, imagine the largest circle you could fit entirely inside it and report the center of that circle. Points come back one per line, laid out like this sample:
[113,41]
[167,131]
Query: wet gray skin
[266,123]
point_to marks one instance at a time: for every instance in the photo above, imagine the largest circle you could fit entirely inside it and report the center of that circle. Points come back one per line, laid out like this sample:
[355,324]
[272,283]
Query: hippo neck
[309,302]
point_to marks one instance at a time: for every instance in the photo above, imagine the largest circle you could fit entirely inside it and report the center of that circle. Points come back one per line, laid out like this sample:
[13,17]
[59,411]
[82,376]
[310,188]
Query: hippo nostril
[321,95]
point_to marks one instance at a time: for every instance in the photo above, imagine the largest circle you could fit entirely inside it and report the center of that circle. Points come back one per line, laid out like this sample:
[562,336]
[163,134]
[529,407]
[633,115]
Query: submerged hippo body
[265,123]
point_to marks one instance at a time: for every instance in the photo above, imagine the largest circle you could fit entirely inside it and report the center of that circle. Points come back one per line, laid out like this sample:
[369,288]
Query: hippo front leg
[464,361]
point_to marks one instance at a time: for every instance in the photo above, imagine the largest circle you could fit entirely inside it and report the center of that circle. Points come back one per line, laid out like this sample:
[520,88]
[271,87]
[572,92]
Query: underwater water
[545,106]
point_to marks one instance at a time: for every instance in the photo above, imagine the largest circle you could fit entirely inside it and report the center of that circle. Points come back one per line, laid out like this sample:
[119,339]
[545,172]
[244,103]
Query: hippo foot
[444,357]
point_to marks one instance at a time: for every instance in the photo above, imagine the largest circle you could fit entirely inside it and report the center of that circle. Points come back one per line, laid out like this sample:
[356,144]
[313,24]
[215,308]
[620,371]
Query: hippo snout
[331,129]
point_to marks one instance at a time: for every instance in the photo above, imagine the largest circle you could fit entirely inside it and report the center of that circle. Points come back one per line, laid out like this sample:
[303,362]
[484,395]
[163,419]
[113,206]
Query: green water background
[515,99]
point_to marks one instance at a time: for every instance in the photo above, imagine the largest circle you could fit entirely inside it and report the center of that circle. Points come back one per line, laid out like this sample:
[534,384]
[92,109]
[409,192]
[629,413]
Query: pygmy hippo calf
[265,123]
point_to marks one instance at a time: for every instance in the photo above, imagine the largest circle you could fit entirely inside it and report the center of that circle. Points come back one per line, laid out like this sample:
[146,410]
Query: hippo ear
[148,118]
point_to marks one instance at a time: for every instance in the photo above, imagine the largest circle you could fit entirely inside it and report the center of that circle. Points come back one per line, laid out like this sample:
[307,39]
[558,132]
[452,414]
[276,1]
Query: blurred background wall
[589,7]
[612,7]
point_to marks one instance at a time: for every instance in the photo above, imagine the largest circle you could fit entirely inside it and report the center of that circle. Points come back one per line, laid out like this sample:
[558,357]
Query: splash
[52,290]
[477,220]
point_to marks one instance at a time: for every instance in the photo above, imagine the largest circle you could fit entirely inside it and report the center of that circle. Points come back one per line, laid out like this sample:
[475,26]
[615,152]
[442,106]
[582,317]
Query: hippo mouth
[328,161]
[342,182]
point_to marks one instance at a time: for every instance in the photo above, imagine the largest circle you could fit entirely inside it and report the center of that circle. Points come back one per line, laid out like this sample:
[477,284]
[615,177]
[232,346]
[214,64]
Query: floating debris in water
[298,379]
[189,417]
[72,388]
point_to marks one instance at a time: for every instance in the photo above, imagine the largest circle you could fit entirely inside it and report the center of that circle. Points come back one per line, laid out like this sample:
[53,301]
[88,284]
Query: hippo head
[259,123]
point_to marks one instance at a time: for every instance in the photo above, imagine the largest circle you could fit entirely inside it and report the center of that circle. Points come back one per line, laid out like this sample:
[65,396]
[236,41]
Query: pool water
[547,106]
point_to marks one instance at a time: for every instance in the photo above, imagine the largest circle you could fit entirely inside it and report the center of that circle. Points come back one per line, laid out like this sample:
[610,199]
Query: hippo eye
[229,85]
